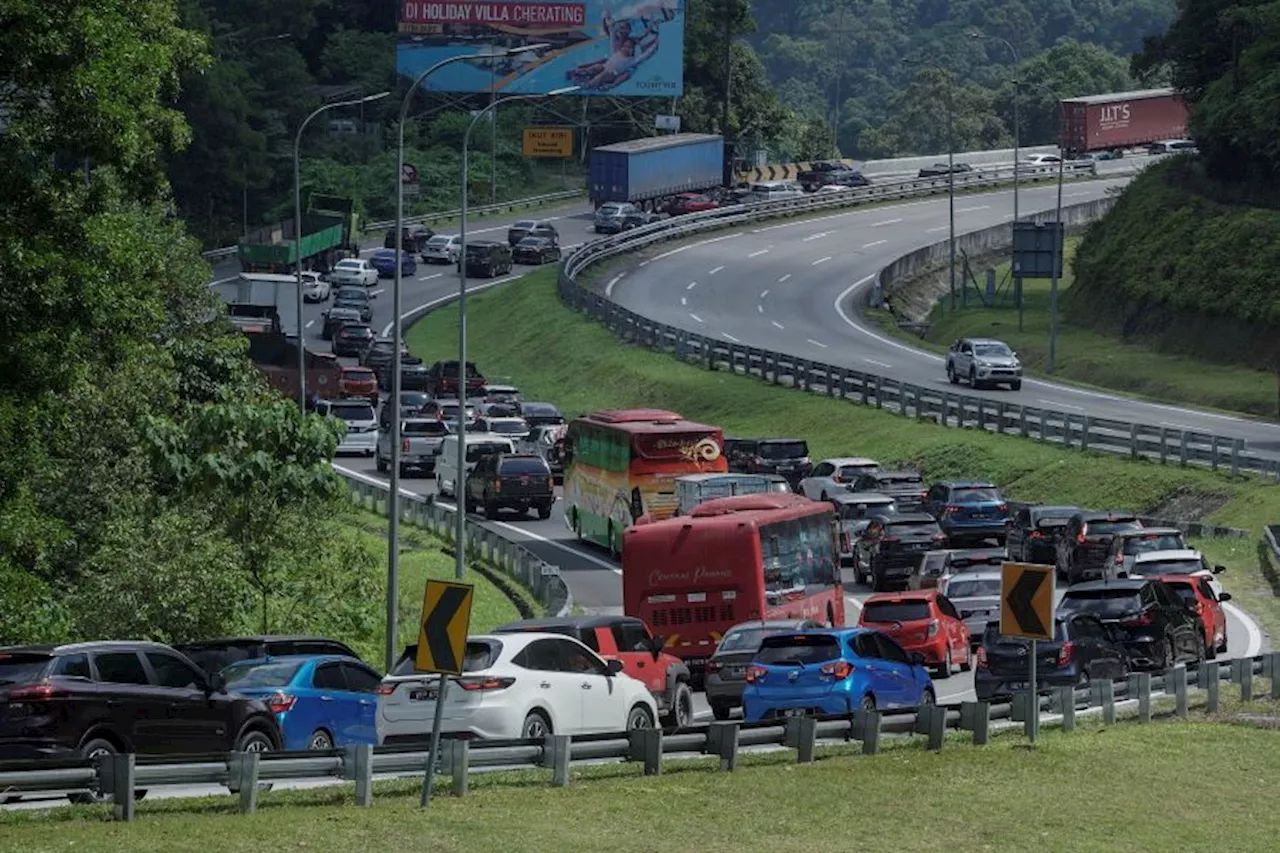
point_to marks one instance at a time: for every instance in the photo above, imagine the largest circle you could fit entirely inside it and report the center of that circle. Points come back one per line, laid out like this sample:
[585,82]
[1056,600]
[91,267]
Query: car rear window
[974,588]
[976,496]
[899,481]
[22,667]
[848,472]
[479,656]
[424,428]
[992,636]
[1101,602]
[782,449]
[1183,590]
[276,674]
[798,649]
[910,528]
[357,373]
[1103,528]
[484,448]
[519,467]
[1167,567]
[744,639]
[856,511]
[1152,542]
[508,427]
[895,611]
[351,412]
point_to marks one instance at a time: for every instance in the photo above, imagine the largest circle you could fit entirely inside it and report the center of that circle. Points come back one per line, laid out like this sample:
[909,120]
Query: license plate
[793,712]
[423,694]
[977,515]
[736,671]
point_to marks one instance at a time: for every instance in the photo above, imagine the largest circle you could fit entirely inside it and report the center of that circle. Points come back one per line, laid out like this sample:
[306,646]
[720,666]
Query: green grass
[1002,797]
[1092,358]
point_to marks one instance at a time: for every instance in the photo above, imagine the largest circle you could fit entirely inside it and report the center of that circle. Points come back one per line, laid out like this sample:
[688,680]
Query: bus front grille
[668,617]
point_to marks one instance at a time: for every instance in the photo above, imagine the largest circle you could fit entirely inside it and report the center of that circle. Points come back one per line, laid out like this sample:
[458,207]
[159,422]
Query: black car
[541,228]
[380,353]
[215,655]
[1154,625]
[905,487]
[413,375]
[536,251]
[352,339]
[487,258]
[1083,649]
[414,237]
[338,316]
[93,699]
[510,481]
[412,404]
[890,547]
[787,457]
[1082,548]
[541,414]
[725,675]
[941,170]
[1032,533]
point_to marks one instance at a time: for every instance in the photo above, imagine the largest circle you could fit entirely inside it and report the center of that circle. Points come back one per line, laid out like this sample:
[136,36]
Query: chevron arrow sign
[442,632]
[1026,601]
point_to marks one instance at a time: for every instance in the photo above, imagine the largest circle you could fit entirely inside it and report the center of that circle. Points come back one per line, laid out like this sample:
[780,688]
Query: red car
[1196,591]
[922,621]
[691,203]
[359,382]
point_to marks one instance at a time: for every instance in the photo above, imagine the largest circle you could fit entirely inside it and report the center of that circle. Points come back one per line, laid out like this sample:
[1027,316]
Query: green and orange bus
[621,464]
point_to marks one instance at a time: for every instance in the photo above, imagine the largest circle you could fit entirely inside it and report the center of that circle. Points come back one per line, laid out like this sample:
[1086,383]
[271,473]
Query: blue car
[973,511]
[384,261]
[833,671]
[320,701]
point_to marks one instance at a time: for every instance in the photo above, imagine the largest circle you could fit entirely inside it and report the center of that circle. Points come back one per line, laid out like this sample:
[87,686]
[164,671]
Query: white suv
[361,421]
[353,271]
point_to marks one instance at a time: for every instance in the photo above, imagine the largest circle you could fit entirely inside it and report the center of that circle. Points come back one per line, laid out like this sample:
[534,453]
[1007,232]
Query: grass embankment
[423,557]
[523,333]
[1091,356]
[1002,797]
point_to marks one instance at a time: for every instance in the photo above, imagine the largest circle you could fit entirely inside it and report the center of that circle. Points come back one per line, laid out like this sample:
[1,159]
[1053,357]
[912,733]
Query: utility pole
[840,34]
[728,68]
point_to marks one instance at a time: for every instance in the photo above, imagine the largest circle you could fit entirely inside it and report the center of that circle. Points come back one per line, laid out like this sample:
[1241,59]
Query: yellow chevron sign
[785,172]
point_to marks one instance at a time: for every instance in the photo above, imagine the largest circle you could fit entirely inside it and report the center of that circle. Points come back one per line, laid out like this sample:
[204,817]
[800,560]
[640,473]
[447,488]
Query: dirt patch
[1189,505]
[911,299]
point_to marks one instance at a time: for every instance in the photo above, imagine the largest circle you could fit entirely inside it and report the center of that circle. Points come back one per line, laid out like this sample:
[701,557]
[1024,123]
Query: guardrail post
[801,732]
[1210,678]
[868,723]
[1142,681]
[722,740]
[116,774]
[1022,421]
[1182,447]
[555,753]
[1213,452]
[1133,441]
[646,745]
[460,766]
[1001,414]
[1084,432]
[357,765]
[1177,676]
[1274,659]
[1104,694]
[1237,447]
[243,768]
[1064,703]
[1164,438]
[879,399]
[931,720]
[976,717]
[1246,679]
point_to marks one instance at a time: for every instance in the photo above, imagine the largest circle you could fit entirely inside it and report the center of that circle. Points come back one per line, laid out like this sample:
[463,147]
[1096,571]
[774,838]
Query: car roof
[1149,531]
[497,419]
[348,401]
[324,658]
[545,623]
[768,623]
[861,498]
[845,631]
[1131,584]
[889,475]
[982,576]
[87,646]
[1105,514]
[912,517]
[1046,508]
[1170,554]
[984,341]
[902,595]
[968,484]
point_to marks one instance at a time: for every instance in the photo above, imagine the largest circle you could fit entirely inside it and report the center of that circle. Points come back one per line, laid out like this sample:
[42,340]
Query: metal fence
[483,544]
[243,774]
[1087,432]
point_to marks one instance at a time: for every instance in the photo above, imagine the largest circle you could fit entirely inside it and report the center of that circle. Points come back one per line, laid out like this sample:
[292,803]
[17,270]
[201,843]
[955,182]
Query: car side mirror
[1226,596]
[1217,570]
[613,667]
[217,683]
[656,645]
[373,296]
[917,658]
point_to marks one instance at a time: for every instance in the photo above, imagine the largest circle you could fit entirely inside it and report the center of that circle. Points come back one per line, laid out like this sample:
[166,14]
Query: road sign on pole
[1026,610]
[442,647]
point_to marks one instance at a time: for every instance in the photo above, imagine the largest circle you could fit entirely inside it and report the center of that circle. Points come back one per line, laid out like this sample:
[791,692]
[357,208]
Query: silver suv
[361,422]
[611,215]
[984,361]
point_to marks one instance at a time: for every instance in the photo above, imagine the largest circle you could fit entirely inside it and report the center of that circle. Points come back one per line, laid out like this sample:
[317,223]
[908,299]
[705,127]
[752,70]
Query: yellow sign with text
[548,142]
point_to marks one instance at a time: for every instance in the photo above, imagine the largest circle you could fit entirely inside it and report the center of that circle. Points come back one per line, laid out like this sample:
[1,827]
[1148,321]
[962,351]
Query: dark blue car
[973,511]
[384,261]
[320,701]
[833,671]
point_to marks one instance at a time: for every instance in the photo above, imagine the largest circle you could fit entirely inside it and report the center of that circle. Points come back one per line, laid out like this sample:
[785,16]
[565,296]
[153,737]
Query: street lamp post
[951,171]
[297,233]
[1051,359]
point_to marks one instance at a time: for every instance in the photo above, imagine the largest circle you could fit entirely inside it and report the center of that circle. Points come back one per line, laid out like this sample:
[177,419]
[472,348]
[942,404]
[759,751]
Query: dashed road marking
[886,222]
[1058,405]
[972,209]
[760,308]
[310,323]
[684,301]
[876,243]
[380,291]
[696,317]
[758,253]
[692,285]
[820,261]
[939,228]
[425,277]
[817,343]
[777,324]
[784,278]
[763,294]
[878,363]
[817,236]
[716,270]
[731,337]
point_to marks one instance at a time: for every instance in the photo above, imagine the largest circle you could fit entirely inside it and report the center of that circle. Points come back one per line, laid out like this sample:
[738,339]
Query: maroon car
[691,203]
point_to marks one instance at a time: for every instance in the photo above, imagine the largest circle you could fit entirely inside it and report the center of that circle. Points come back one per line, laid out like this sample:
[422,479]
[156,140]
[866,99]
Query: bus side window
[774,548]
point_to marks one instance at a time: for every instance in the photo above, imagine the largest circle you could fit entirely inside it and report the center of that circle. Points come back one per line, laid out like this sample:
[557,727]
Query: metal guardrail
[119,776]
[483,544]
[1272,534]
[1162,443]
[480,210]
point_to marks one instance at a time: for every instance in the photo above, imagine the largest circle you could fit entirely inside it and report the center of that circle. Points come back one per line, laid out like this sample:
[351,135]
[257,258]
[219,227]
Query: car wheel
[927,697]
[490,510]
[254,740]
[944,669]
[381,465]
[968,660]
[536,726]
[544,512]
[973,378]
[613,548]
[1015,386]
[320,739]
[92,750]
[951,375]
[720,710]
[1202,652]
[639,717]
[681,713]
[869,702]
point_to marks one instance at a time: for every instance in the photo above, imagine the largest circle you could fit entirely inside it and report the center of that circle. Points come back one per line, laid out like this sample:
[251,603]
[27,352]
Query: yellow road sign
[548,142]
[1026,601]
[442,632]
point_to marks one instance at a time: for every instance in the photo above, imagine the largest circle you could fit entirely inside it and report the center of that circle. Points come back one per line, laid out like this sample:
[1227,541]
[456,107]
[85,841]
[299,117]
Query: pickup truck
[420,440]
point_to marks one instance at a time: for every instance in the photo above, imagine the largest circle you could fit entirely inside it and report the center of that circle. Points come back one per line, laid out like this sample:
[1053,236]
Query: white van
[772,191]
[478,444]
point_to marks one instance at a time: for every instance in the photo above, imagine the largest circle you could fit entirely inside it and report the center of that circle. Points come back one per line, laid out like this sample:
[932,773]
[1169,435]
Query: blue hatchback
[969,511]
[320,701]
[384,261]
[833,672]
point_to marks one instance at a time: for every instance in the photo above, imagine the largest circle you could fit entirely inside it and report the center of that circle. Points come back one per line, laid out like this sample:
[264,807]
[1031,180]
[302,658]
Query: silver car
[835,475]
[983,361]
[441,249]
[976,595]
[611,215]
[361,421]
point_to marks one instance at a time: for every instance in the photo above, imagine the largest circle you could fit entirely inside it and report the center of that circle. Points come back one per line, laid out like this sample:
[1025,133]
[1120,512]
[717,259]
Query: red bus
[762,556]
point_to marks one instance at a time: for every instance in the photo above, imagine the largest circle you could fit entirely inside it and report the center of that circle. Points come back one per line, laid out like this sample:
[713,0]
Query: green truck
[328,236]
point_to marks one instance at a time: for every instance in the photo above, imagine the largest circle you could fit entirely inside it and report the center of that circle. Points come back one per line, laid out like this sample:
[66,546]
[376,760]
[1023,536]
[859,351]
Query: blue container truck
[643,171]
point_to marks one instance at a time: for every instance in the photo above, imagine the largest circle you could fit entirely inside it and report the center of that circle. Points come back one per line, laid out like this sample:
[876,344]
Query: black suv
[532,228]
[511,481]
[414,237]
[941,170]
[1082,649]
[890,547]
[1084,543]
[905,487]
[787,457]
[1154,625]
[95,699]
[487,258]
[1032,533]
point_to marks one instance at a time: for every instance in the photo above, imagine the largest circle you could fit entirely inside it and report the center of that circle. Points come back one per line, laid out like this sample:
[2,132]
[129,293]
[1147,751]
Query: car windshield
[855,511]
[782,449]
[439,241]
[744,639]
[356,293]
[997,350]
[1167,567]
[894,611]
[21,667]
[974,588]
[523,467]
[479,656]
[798,649]
[423,428]
[1101,602]
[507,427]
[910,528]
[975,495]
[531,243]
[1183,590]
[352,411]
[347,265]
[524,225]
[477,250]
[363,374]
[270,674]
[1153,542]
[1110,528]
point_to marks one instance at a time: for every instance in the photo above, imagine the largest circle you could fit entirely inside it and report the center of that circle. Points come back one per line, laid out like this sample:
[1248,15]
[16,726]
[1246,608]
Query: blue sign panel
[604,47]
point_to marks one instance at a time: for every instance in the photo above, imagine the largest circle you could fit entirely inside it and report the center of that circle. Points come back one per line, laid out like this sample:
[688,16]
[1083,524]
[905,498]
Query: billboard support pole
[728,73]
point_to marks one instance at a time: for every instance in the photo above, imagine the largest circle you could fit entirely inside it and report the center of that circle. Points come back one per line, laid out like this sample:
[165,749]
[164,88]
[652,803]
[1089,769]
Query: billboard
[604,47]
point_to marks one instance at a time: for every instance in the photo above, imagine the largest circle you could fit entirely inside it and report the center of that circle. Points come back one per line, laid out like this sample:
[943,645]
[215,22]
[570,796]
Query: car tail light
[404,446]
[838,671]
[756,674]
[551,482]
[385,689]
[713,666]
[981,661]
[1118,559]
[836,478]
[485,682]
[1139,621]
[37,692]
[1065,653]
[924,495]
[497,485]
[951,508]
[1035,534]
[933,628]
[1080,537]
[1002,508]
[939,537]
[280,702]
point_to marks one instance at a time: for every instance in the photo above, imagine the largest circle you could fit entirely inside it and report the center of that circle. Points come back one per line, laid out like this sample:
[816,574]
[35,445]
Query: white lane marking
[1060,405]
[817,236]
[696,317]
[760,308]
[876,243]
[731,337]
[763,294]
[716,270]
[886,222]
[972,209]
[380,291]
[608,290]
[1073,195]
[678,249]
[758,253]
[1255,636]
[224,281]
[692,285]
[857,605]
[310,323]
[879,363]
[784,278]
[413,312]
[860,210]
[816,343]
[777,324]
[939,228]
[844,315]
[684,301]
[820,261]
[426,277]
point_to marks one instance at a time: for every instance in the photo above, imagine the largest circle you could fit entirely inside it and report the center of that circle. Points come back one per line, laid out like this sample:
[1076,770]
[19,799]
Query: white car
[1183,562]
[441,249]
[835,475]
[516,429]
[353,271]
[515,686]
[314,288]
[1041,160]
[361,421]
